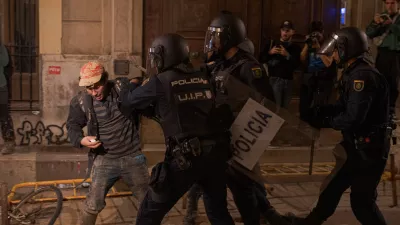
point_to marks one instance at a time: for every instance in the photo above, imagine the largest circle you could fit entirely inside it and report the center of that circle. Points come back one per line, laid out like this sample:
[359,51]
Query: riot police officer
[195,191]
[183,101]
[223,36]
[362,115]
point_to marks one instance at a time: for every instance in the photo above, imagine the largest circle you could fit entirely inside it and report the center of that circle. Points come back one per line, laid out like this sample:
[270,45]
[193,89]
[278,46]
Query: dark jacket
[77,118]
[278,65]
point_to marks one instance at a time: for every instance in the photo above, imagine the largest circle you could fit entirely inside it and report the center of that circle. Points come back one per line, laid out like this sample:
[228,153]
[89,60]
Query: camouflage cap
[90,73]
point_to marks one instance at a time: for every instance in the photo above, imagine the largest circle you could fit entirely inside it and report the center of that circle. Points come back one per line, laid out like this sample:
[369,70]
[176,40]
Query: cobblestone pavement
[290,197]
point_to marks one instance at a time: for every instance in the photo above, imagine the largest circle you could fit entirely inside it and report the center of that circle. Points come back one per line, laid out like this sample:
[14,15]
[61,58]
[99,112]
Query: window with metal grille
[21,39]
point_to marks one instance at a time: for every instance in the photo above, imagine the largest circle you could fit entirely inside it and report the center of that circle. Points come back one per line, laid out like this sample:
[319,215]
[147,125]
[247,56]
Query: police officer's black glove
[150,113]
[121,84]
[139,79]
[221,117]
[309,114]
[327,122]
[319,122]
[316,118]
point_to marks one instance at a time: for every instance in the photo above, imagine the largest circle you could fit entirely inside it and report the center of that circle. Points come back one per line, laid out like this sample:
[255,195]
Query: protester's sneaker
[8,148]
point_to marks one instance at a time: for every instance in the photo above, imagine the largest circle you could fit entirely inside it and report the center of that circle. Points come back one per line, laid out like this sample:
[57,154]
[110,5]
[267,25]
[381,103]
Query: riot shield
[257,123]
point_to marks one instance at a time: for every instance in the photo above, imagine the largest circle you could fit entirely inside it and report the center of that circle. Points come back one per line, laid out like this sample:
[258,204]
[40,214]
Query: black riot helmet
[167,51]
[225,31]
[350,42]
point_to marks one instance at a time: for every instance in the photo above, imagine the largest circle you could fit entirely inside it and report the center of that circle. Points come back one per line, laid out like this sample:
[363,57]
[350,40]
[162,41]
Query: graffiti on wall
[37,133]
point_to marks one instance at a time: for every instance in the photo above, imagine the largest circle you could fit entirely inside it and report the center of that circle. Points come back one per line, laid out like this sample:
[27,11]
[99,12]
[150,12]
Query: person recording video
[320,71]
[281,57]
[384,29]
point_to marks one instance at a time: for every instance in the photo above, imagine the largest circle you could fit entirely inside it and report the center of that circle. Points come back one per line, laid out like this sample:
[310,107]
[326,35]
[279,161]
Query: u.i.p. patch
[358,85]
[257,73]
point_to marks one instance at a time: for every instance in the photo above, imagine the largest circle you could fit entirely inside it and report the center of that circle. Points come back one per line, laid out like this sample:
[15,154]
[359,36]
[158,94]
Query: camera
[385,16]
[313,38]
[315,35]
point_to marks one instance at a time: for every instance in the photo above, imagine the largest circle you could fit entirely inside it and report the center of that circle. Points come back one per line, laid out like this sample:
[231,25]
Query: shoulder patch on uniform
[257,73]
[358,85]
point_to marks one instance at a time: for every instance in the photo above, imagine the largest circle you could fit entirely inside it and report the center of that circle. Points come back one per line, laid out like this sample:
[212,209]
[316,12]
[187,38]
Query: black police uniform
[225,33]
[247,69]
[183,100]
[195,192]
[249,196]
[362,114]
[210,65]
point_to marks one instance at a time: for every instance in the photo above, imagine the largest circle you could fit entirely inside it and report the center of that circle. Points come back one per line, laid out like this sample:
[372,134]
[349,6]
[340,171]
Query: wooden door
[301,13]
[250,11]
[277,11]
[190,18]
[328,11]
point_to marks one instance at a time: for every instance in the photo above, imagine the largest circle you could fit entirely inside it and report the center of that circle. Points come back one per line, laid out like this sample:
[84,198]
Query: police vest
[230,89]
[191,102]
[378,111]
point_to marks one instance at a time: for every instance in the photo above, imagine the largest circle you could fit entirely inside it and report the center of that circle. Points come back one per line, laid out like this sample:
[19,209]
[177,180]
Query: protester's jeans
[282,89]
[105,172]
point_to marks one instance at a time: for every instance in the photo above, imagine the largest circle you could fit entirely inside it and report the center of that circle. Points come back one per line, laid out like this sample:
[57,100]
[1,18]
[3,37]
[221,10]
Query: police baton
[317,103]
[139,67]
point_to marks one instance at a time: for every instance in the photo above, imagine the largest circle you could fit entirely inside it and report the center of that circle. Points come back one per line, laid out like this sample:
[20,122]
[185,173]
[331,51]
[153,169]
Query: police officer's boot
[309,220]
[88,218]
[274,218]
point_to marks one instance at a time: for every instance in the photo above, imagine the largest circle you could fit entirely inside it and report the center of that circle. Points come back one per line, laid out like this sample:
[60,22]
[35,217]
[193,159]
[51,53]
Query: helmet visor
[329,46]
[152,63]
[212,41]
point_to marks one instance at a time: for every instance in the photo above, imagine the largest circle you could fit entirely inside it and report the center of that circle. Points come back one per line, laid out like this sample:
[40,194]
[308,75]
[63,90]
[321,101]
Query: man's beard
[106,91]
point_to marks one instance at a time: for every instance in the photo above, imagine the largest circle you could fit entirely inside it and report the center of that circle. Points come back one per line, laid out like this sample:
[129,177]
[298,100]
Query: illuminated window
[342,16]
[343,13]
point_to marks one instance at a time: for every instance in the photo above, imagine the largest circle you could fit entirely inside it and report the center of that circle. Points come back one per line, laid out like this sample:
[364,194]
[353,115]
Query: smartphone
[385,16]
[94,140]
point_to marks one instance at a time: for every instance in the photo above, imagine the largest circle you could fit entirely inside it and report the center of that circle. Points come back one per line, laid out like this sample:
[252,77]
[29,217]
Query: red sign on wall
[54,70]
